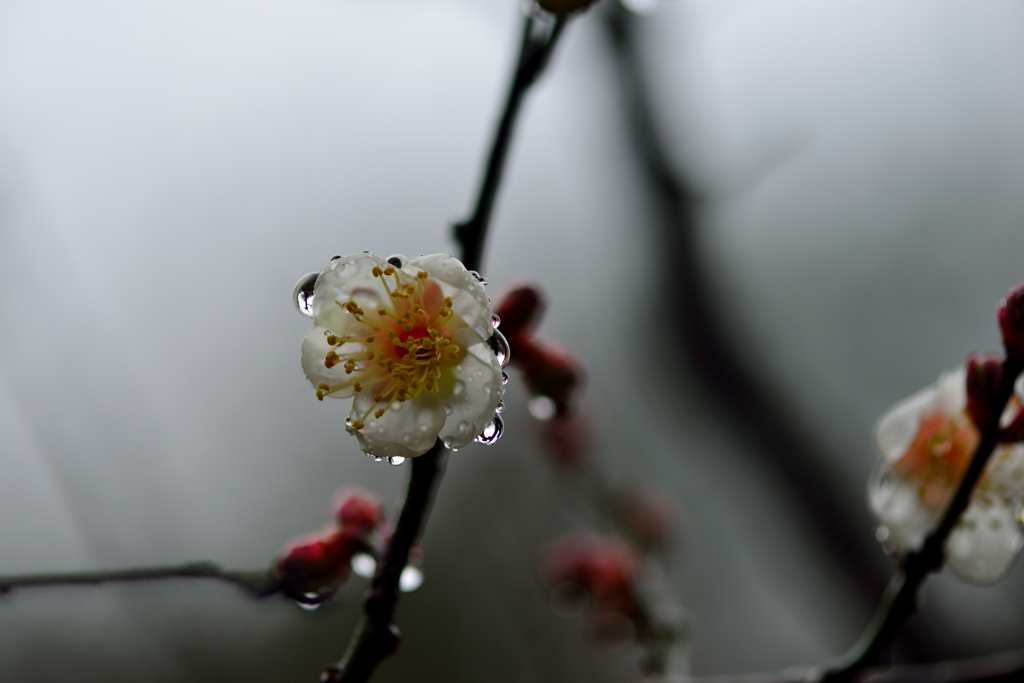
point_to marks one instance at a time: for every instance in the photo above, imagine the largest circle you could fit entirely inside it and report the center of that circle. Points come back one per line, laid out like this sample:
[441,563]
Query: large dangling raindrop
[492,432]
[500,346]
[302,295]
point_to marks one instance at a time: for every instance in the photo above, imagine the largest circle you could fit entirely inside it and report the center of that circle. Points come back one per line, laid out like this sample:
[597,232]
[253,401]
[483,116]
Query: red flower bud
[563,7]
[549,371]
[317,560]
[650,515]
[358,509]
[604,567]
[567,438]
[1011,321]
[984,375]
[520,310]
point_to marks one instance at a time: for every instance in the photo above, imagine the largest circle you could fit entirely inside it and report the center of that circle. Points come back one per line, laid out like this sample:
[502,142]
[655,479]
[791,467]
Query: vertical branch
[534,55]
[376,637]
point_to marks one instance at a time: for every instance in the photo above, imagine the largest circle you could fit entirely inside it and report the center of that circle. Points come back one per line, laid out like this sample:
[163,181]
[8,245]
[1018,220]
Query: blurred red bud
[316,560]
[358,509]
[984,375]
[604,567]
[1011,321]
[520,310]
[567,439]
[563,7]
[650,515]
[548,371]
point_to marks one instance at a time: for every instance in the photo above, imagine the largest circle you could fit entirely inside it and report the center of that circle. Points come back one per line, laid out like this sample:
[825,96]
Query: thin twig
[376,637]
[900,598]
[534,55]
[259,584]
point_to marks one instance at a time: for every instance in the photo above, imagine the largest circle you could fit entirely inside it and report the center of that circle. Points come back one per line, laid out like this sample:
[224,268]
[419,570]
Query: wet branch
[535,50]
[259,584]
[376,638]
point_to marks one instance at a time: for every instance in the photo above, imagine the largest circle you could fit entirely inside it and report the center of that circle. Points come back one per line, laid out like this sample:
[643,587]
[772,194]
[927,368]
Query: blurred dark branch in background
[259,584]
[767,430]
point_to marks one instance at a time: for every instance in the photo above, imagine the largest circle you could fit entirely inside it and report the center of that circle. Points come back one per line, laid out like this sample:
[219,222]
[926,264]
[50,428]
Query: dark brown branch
[534,55]
[377,637]
[900,598]
[259,584]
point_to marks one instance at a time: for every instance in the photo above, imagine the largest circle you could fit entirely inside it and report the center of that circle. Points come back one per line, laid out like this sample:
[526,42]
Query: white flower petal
[406,430]
[469,298]
[897,505]
[986,542]
[478,390]
[896,429]
[1005,472]
[375,356]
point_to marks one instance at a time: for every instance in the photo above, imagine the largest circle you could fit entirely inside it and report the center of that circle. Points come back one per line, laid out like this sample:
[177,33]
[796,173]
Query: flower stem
[900,597]
[376,637]
[535,51]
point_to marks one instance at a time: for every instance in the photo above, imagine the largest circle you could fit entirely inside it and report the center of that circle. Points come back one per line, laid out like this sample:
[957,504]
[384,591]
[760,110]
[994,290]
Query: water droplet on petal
[349,429]
[463,426]
[364,565]
[411,579]
[492,432]
[499,345]
[447,409]
[309,607]
[501,407]
[396,461]
[395,260]
[336,257]
[504,377]
[542,408]
[460,386]
[302,295]
[377,458]
[495,320]
[479,278]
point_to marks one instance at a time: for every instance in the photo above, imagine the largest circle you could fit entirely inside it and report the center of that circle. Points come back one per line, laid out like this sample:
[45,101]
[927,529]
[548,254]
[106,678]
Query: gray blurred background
[759,223]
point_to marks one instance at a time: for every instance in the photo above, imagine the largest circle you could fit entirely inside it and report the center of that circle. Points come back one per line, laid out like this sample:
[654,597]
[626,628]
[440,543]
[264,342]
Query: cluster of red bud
[985,373]
[549,371]
[311,567]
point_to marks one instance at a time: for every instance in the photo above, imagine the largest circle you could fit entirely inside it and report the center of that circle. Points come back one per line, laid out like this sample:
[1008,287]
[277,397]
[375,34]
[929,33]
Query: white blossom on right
[926,443]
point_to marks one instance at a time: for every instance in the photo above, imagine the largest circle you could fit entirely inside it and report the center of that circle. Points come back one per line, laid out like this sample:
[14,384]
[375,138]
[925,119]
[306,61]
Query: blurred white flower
[926,443]
[406,338]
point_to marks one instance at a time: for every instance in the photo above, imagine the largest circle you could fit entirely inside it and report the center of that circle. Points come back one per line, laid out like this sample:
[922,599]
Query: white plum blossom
[926,443]
[408,339]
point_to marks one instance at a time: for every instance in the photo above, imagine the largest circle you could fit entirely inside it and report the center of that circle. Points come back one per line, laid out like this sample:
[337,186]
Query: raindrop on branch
[302,295]
[411,579]
[542,408]
[364,565]
[492,432]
